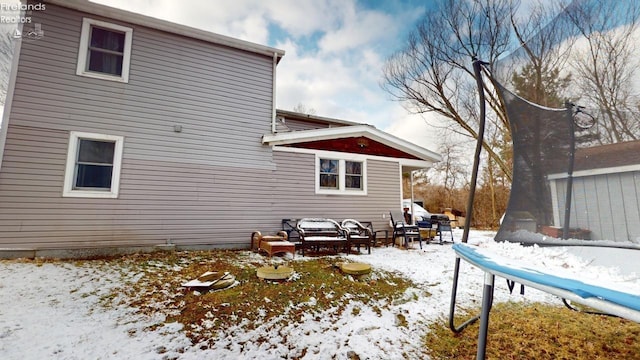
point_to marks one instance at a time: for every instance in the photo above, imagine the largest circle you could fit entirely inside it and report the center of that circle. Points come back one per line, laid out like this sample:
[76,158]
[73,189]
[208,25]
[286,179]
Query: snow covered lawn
[67,310]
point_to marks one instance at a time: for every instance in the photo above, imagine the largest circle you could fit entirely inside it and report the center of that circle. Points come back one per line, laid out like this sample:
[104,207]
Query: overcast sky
[335,50]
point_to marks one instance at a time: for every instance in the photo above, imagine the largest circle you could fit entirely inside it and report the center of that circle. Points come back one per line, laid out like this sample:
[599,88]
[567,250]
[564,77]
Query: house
[123,132]
[605,198]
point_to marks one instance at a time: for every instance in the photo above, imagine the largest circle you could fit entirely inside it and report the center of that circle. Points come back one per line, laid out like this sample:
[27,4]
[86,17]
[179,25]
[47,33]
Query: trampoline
[550,205]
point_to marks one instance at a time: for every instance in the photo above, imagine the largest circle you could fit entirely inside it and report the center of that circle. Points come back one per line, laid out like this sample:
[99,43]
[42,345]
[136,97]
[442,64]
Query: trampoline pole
[452,305]
[487,302]
[572,150]
[477,68]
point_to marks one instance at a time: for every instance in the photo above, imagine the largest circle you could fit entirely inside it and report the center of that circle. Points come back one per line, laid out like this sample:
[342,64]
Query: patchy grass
[316,286]
[318,289]
[536,331]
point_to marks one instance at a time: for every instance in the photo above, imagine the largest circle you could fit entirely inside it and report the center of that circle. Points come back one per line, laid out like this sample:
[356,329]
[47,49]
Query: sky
[335,51]
[60,310]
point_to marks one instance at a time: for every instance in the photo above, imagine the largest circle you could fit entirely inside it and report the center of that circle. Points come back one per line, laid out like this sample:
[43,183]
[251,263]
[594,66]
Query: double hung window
[353,175]
[105,50]
[329,174]
[339,176]
[93,165]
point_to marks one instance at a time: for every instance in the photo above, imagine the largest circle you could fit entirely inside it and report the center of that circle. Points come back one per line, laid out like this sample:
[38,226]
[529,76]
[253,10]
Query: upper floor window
[338,176]
[105,50]
[93,165]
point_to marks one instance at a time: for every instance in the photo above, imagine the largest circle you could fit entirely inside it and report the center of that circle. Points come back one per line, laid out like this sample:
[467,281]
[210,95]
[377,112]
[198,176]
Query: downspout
[4,125]
[273,94]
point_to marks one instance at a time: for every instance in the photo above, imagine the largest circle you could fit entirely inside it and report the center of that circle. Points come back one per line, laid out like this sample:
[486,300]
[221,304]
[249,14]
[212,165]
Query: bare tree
[536,67]
[451,170]
[303,109]
[605,64]
[434,72]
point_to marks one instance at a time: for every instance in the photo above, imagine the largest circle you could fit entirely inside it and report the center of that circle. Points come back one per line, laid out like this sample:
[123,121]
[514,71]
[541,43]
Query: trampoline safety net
[576,168]
[565,187]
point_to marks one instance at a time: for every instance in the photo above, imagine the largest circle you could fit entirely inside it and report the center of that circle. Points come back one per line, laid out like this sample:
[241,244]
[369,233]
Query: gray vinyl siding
[608,205]
[158,201]
[295,195]
[220,96]
[211,183]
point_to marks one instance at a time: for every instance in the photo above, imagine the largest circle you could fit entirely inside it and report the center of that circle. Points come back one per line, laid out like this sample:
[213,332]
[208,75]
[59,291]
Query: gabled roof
[167,26]
[352,131]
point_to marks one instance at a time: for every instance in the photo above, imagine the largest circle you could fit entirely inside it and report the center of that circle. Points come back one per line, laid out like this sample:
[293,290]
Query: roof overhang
[424,156]
[314,118]
[167,26]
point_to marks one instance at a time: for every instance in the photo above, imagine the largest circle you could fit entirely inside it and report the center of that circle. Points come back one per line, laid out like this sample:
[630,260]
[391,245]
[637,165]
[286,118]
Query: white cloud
[250,28]
[416,128]
[246,20]
[325,84]
[359,29]
[302,18]
[338,76]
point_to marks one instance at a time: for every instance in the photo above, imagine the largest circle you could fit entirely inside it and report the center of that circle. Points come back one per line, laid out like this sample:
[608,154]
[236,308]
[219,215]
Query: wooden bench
[320,232]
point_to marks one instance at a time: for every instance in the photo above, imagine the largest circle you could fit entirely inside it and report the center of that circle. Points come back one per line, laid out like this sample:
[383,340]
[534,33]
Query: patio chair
[402,229]
[358,234]
[384,233]
[444,226]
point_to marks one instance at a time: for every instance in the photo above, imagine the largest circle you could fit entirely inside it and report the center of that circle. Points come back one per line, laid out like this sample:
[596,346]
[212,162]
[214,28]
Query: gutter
[273,93]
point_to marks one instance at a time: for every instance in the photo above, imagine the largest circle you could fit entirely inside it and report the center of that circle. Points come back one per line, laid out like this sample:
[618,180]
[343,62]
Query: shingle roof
[607,156]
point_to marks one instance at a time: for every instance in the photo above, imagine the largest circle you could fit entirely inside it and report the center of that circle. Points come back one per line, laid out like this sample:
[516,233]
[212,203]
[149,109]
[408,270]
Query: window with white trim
[93,165]
[329,174]
[353,175]
[340,176]
[105,50]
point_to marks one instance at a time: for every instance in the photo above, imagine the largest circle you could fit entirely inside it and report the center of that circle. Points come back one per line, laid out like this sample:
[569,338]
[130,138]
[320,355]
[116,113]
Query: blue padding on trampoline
[575,286]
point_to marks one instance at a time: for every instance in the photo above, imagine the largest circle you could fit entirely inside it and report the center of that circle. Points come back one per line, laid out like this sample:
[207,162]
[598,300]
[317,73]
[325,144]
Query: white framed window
[105,50]
[329,174]
[93,165]
[340,176]
[353,176]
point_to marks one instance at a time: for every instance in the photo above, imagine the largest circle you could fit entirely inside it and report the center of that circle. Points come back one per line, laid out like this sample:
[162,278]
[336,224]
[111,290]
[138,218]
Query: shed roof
[602,160]
[608,156]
